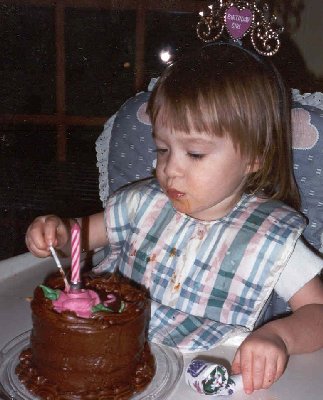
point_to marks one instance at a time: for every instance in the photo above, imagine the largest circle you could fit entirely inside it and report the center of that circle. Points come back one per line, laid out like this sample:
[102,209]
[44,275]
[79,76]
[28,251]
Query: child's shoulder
[275,210]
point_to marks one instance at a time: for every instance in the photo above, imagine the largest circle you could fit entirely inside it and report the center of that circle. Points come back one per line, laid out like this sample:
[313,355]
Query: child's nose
[173,166]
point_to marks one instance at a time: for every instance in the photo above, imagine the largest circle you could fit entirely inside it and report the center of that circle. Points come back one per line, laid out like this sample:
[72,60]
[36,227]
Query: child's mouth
[174,194]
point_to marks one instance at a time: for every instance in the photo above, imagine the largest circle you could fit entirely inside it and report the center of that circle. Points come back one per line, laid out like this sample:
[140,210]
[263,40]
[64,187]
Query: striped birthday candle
[76,252]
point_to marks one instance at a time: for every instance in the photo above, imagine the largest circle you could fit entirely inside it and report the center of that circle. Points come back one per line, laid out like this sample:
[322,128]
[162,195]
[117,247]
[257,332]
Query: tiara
[240,18]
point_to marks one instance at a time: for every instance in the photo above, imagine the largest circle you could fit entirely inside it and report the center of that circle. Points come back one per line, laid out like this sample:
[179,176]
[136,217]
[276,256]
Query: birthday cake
[90,343]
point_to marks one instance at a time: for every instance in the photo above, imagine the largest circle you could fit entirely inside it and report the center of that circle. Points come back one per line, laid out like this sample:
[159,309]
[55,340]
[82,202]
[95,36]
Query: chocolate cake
[102,355]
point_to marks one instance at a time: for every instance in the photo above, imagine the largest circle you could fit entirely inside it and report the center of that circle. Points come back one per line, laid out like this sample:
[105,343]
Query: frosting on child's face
[202,175]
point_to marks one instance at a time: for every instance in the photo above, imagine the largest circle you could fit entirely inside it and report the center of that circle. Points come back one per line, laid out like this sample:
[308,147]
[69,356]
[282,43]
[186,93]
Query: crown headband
[241,18]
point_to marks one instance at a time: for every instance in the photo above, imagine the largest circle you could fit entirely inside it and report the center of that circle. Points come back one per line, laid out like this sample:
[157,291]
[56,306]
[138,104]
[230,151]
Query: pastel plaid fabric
[206,277]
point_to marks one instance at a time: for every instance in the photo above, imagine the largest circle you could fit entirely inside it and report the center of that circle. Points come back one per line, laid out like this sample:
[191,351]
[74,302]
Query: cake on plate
[89,343]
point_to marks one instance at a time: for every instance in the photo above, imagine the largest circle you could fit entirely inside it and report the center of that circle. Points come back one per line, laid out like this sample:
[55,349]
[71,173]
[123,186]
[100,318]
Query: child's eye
[196,156]
[160,151]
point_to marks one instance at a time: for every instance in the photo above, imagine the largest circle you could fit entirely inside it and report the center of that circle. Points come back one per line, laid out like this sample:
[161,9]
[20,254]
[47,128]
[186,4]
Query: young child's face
[202,175]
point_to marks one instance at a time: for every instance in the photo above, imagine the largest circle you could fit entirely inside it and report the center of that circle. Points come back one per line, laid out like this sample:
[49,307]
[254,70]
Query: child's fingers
[280,368]
[258,371]
[273,370]
[244,360]
[262,372]
[41,234]
[261,360]
[36,250]
[246,367]
[235,366]
[274,367]
[270,373]
[51,226]
[35,236]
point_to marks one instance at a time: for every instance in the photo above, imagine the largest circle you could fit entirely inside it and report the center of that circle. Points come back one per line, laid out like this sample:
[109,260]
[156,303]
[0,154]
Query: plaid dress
[206,278]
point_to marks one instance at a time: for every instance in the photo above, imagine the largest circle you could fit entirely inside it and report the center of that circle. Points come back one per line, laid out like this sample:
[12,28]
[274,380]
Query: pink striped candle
[76,252]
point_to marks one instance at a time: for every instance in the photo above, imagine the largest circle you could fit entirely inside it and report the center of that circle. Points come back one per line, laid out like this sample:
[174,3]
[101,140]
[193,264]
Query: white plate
[169,367]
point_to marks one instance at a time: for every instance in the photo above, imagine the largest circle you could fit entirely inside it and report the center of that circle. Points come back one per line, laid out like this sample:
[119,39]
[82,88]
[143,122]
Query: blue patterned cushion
[132,157]
[307,127]
[131,154]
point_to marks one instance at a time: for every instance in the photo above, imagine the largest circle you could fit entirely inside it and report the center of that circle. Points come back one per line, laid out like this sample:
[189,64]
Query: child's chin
[182,206]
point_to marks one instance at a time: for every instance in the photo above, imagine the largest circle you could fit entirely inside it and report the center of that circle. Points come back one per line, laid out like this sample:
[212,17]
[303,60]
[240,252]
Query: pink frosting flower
[81,302]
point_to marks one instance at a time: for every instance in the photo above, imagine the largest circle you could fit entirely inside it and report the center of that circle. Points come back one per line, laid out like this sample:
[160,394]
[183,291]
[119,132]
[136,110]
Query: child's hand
[261,359]
[46,231]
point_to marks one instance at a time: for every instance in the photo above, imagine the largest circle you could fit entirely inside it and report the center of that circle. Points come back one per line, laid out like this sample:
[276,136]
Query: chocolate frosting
[105,356]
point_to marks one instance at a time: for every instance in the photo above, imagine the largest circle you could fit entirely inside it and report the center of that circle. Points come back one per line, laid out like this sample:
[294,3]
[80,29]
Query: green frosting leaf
[122,306]
[51,294]
[101,307]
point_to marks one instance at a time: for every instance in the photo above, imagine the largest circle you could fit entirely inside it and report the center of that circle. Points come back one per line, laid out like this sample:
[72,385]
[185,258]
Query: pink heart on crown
[238,22]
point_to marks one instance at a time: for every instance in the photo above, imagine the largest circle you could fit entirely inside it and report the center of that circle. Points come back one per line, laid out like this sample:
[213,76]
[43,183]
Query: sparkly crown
[240,18]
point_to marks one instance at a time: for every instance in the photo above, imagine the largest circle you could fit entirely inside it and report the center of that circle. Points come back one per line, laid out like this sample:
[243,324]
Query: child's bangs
[173,114]
[187,112]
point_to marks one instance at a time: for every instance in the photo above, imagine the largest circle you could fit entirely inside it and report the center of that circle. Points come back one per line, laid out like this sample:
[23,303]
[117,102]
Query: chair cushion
[131,155]
[307,128]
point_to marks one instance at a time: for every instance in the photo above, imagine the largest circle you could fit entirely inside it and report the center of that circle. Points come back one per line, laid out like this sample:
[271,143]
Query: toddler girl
[217,232]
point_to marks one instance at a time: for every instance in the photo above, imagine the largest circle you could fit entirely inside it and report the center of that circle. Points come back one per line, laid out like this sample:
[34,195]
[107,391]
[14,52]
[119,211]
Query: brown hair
[226,90]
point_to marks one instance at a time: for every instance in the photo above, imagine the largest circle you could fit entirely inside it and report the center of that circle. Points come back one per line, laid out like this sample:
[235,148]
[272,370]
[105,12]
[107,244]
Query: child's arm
[303,330]
[262,357]
[50,230]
